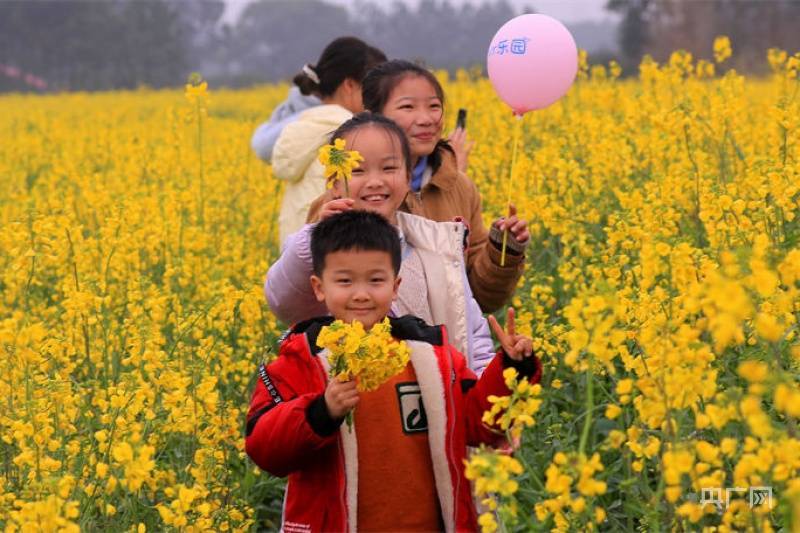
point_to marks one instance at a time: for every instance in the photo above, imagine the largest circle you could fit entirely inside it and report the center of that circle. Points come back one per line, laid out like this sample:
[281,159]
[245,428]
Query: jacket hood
[296,102]
[299,143]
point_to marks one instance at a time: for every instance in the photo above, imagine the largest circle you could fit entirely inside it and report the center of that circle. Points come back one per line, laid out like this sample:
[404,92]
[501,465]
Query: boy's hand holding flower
[360,361]
[516,346]
[341,397]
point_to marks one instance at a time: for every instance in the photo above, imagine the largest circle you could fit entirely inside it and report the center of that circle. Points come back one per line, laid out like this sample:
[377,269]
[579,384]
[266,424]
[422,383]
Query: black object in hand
[461,120]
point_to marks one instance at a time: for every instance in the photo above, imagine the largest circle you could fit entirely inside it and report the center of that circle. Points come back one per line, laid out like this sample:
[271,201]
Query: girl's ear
[352,85]
[316,284]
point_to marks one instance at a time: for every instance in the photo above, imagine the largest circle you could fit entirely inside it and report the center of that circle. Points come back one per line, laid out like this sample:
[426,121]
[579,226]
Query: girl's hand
[516,226]
[341,397]
[516,346]
[462,147]
[333,207]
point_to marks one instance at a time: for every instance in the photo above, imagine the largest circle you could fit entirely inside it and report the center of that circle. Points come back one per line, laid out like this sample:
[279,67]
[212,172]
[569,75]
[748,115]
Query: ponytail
[343,58]
[307,80]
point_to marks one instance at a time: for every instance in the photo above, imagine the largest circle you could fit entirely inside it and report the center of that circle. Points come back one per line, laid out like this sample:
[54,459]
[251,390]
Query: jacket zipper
[343,490]
[457,471]
[460,246]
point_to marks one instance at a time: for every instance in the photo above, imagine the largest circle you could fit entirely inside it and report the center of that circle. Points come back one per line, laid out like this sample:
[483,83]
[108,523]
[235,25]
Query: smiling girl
[434,287]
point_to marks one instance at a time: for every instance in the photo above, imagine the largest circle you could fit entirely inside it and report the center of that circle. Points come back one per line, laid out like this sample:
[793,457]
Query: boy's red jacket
[290,433]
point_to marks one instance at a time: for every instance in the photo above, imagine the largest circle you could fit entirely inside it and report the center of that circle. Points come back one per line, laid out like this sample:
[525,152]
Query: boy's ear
[316,284]
[397,280]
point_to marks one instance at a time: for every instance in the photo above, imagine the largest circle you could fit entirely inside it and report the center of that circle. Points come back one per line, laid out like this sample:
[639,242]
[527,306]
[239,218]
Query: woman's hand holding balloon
[517,227]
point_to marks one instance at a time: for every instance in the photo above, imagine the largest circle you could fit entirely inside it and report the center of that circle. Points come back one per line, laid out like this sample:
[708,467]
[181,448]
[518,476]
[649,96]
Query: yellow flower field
[662,291]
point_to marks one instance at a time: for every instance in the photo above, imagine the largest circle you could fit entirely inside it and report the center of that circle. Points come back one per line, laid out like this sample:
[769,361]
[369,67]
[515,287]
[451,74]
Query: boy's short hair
[354,230]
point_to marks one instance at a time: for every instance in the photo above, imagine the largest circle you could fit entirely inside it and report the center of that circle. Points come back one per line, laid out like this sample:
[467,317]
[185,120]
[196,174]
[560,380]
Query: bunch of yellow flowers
[371,357]
[196,90]
[514,412]
[492,471]
[572,484]
[492,474]
[339,162]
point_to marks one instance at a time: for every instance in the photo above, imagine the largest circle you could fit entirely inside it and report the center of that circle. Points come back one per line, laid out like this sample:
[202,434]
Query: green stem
[199,115]
[587,423]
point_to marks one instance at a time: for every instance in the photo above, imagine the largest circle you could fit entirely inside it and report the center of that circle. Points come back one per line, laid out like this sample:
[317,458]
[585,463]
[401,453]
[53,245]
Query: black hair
[345,57]
[366,118]
[354,230]
[384,77]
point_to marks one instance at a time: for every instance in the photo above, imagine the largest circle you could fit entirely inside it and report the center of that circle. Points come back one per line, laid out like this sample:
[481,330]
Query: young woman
[336,81]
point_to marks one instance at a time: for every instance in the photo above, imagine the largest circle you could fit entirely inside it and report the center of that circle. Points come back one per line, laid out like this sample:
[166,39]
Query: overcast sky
[563,10]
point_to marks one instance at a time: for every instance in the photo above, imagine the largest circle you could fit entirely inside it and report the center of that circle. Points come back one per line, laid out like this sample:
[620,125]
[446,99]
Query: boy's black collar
[407,328]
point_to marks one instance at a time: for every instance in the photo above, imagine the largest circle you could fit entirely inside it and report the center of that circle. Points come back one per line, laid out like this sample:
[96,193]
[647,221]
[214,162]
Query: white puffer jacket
[441,249]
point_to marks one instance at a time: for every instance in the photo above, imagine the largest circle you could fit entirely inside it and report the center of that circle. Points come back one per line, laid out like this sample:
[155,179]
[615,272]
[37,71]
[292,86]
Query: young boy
[401,467]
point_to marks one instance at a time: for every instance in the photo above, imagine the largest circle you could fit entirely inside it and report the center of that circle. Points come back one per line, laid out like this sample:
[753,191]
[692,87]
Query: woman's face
[414,105]
[380,183]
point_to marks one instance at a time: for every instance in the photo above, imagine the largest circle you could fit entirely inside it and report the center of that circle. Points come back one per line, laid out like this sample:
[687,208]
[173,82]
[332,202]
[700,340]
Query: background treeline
[658,27]
[94,45]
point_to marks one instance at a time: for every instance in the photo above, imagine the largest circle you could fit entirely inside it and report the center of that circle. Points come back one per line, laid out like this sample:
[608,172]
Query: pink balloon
[532,62]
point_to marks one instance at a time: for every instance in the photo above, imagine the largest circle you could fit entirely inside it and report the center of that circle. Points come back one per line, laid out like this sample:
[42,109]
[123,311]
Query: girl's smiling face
[417,109]
[380,183]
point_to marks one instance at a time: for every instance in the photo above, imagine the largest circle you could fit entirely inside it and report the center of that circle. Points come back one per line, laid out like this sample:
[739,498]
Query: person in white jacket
[336,80]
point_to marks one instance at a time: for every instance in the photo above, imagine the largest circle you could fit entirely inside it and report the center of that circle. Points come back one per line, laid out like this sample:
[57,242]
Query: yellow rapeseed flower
[722,49]
[339,162]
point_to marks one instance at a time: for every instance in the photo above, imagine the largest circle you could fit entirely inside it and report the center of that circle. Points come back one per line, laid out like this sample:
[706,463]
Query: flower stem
[587,422]
[509,187]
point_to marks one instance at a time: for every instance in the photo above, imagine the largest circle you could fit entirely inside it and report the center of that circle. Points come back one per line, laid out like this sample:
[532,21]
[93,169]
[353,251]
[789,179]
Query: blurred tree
[90,44]
[154,48]
[752,26]
[634,29]
[205,39]
[660,27]
[84,44]
[436,31]
[273,39]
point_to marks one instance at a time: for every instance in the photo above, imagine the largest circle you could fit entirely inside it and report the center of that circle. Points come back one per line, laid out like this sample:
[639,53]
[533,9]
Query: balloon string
[517,125]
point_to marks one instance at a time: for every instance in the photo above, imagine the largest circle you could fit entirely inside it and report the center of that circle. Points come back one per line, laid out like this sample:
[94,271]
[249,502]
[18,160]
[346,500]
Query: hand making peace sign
[516,346]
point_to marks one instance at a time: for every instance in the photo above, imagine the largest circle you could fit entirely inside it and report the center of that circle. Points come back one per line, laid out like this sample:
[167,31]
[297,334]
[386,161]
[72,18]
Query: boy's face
[357,285]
